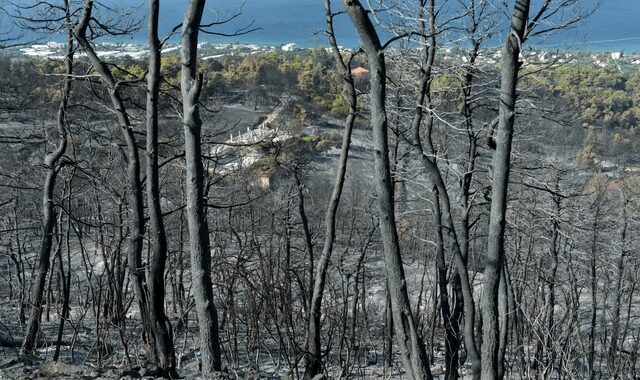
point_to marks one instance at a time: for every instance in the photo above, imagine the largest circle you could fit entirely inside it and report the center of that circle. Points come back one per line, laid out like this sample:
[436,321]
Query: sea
[612,26]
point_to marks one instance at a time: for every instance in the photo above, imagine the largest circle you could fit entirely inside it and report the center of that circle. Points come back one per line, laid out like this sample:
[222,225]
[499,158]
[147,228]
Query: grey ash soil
[79,354]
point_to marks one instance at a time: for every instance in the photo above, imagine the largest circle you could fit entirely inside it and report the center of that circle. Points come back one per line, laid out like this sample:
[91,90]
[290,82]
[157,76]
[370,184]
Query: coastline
[131,49]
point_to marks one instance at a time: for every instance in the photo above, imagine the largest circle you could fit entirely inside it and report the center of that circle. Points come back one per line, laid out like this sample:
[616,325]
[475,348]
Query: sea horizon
[278,22]
[611,27]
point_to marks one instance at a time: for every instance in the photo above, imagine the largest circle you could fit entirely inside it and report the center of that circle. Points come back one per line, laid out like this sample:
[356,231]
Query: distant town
[207,50]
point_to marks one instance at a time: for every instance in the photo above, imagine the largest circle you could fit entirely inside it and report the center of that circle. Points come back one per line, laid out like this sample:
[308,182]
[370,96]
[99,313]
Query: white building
[290,47]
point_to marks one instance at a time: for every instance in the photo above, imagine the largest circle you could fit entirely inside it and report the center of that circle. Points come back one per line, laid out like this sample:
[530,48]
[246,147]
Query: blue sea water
[279,21]
[613,26]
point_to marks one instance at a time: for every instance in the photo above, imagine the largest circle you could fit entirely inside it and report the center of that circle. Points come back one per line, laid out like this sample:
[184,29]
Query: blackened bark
[65,279]
[410,343]
[308,241]
[388,333]
[52,162]
[613,355]
[503,322]
[549,361]
[459,305]
[161,327]
[461,281]
[501,166]
[313,364]
[136,221]
[591,353]
[191,83]
[451,341]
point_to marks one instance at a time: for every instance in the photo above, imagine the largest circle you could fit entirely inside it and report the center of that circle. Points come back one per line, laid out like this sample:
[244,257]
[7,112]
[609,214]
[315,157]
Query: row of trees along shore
[457,230]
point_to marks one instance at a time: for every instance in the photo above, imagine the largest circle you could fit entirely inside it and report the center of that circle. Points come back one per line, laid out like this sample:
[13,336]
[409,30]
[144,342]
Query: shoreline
[140,47]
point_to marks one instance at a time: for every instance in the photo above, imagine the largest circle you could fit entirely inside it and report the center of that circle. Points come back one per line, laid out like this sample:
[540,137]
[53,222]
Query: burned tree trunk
[410,343]
[53,162]
[444,217]
[613,358]
[191,84]
[313,365]
[162,333]
[501,167]
[137,220]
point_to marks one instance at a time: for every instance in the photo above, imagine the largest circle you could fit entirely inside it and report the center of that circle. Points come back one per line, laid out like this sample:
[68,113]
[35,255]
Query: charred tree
[313,364]
[501,166]
[160,325]
[137,221]
[191,86]
[409,341]
[53,162]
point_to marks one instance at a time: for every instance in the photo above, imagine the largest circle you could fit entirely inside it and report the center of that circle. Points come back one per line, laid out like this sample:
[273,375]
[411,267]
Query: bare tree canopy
[424,189]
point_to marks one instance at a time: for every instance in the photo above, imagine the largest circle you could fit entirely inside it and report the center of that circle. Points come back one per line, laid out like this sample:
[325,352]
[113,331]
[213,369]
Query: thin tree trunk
[136,221]
[19,265]
[308,241]
[162,333]
[613,356]
[191,85]
[66,280]
[503,322]
[53,164]
[411,346]
[551,291]
[450,324]
[513,309]
[459,305]
[594,291]
[501,166]
[351,348]
[313,364]
[461,281]
[388,334]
